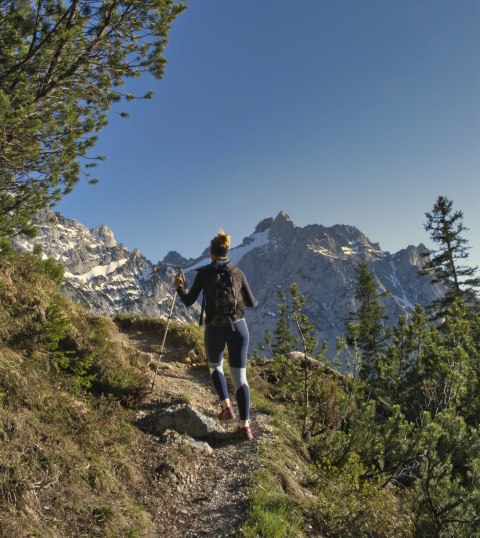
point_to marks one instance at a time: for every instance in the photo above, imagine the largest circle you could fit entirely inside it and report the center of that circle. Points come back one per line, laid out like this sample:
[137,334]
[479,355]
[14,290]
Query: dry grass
[68,463]
[182,338]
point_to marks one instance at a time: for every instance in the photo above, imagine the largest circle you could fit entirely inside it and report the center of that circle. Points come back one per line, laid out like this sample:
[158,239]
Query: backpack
[223,292]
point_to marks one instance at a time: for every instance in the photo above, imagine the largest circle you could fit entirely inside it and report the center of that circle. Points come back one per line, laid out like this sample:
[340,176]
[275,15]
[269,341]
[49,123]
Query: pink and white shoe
[226,414]
[245,432]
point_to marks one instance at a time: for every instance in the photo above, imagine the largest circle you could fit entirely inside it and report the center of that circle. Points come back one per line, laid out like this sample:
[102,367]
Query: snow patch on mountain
[256,240]
[99,270]
[393,278]
[322,251]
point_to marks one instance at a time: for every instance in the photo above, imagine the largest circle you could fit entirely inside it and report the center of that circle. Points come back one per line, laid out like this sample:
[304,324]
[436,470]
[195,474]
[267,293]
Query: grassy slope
[67,450]
[69,462]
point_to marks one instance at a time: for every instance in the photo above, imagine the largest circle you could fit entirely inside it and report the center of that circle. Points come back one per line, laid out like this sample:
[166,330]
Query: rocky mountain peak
[105,235]
[283,215]
[263,225]
[282,228]
[45,215]
[414,254]
[175,259]
[351,241]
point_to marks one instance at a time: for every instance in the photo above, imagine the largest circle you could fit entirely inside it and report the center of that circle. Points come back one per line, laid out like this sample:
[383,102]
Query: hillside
[78,455]
[81,453]
[87,449]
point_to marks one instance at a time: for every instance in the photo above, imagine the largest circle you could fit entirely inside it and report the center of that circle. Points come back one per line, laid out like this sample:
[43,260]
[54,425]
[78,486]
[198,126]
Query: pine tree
[65,355]
[62,66]
[365,328]
[305,329]
[292,318]
[443,264]
[309,340]
[400,368]
[446,490]
[282,344]
[294,330]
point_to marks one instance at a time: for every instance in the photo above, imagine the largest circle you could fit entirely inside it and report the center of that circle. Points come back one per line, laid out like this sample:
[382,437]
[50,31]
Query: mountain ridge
[108,278]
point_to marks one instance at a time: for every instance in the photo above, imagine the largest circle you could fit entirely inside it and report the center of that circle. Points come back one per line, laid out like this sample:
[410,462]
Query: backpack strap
[233,271]
[200,321]
[202,311]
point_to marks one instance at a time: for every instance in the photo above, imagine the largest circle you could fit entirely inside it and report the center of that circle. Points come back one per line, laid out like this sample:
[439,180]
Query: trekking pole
[162,347]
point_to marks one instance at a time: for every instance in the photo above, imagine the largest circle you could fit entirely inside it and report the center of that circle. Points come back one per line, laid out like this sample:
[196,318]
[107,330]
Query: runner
[226,294]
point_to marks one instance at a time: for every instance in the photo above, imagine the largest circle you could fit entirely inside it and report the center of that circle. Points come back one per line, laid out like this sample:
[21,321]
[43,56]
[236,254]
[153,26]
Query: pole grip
[182,276]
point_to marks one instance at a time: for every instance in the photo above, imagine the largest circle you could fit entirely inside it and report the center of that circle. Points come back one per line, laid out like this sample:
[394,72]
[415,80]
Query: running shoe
[245,432]
[226,414]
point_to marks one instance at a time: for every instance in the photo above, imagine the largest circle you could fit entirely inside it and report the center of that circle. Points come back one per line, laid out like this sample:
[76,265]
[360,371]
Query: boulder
[171,437]
[184,418]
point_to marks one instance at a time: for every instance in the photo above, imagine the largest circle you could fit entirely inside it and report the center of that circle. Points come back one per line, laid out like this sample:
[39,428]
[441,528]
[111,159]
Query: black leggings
[216,337]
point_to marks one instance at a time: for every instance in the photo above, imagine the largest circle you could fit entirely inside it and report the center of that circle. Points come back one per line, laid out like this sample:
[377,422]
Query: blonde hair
[220,244]
[224,238]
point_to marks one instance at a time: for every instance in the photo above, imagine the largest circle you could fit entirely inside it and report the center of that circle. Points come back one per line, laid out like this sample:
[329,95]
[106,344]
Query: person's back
[212,281]
[226,293]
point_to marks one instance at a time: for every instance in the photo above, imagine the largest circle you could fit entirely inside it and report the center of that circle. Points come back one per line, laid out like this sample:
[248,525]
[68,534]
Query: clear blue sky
[338,111]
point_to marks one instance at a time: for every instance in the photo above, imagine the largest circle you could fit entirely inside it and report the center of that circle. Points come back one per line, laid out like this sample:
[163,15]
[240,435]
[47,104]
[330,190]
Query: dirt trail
[192,494]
